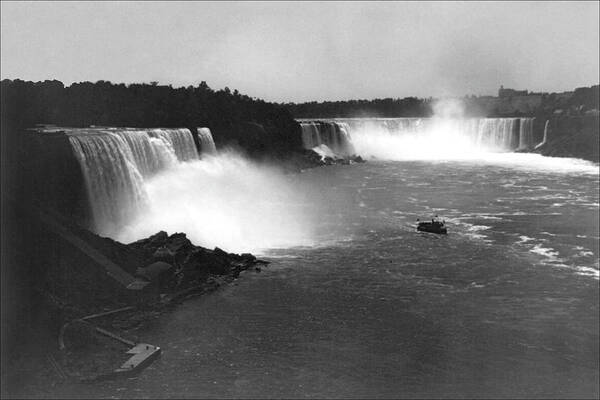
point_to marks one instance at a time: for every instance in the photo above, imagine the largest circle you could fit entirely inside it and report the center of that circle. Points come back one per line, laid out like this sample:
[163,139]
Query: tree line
[577,102]
[102,103]
[382,108]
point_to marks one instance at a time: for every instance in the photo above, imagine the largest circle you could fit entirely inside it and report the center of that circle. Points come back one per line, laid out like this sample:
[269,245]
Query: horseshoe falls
[418,138]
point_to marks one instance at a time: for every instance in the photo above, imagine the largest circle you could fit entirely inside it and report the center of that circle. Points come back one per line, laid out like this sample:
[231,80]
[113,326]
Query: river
[505,305]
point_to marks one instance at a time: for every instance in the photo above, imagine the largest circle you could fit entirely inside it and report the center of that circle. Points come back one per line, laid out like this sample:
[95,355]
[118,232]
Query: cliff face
[50,174]
[259,128]
[571,136]
[273,140]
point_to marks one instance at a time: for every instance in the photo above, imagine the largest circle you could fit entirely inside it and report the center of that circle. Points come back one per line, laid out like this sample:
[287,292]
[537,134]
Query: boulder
[215,262]
[159,273]
[248,256]
[163,253]
[158,239]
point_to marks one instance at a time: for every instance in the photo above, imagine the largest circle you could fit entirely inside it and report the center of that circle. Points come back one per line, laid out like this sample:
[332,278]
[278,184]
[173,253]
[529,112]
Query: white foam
[472,231]
[444,145]
[583,252]
[476,285]
[547,252]
[588,271]
[554,196]
[490,217]
[525,239]
[477,228]
[324,151]
[552,257]
[227,201]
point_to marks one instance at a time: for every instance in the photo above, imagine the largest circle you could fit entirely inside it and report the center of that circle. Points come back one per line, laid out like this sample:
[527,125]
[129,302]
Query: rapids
[355,302]
[505,305]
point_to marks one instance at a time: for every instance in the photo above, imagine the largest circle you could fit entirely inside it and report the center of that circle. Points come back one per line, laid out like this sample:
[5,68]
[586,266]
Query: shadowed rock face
[51,281]
[573,137]
[273,140]
[48,173]
[192,264]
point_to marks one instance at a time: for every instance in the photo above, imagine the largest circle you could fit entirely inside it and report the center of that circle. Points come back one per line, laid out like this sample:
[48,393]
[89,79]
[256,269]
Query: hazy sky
[287,51]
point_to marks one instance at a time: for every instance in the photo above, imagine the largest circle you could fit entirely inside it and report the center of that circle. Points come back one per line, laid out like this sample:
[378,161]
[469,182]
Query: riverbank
[371,312]
[57,272]
[68,284]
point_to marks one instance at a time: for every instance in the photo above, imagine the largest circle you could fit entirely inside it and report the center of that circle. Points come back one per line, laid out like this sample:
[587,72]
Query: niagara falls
[300,200]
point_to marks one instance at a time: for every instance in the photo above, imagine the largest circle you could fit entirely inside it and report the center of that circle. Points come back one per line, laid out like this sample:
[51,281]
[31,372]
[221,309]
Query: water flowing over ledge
[467,135]
[140,181]
[506,142]
[115,163]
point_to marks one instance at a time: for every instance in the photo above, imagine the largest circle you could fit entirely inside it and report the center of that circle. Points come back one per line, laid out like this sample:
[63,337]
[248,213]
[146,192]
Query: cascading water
[180,140]
[526,134]
[141,181]
[115,164]
[150,154]
[543,142]
[112,178]
[498,133]
[310,135]
[207,144]
[330,138]
[409,138]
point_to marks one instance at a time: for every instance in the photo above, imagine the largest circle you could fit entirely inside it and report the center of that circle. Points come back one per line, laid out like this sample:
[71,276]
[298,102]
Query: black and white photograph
[300,199]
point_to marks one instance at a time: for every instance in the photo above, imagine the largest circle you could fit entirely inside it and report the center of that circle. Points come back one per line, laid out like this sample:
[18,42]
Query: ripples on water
[505,305]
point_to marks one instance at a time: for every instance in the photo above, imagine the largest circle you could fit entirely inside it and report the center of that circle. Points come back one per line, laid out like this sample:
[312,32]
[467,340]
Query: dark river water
[505,305]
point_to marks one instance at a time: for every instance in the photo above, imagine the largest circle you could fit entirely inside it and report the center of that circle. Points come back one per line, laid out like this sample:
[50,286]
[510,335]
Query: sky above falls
[288,51]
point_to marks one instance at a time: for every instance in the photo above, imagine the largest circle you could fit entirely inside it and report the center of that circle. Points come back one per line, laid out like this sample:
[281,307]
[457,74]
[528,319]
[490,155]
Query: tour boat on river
[435,226]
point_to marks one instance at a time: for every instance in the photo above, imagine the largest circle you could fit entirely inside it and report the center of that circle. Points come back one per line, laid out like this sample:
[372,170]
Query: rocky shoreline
[70,346]
[576,137]
[175,269]
[58,285]
[311,159]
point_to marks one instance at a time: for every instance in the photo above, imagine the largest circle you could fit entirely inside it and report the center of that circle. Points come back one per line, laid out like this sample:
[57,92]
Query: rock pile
[174,263]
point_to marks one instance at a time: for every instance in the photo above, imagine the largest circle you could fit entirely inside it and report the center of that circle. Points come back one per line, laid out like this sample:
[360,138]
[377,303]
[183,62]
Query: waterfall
[334,135]
[345,146]
[180,140]
[526,134]
[112,179]
[402,138]
[207,144]
[310,135]
[497,133]
[150,154]
[543,142]
[115,163]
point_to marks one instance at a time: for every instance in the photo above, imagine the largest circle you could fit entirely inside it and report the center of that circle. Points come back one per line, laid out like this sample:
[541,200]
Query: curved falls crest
[417,138]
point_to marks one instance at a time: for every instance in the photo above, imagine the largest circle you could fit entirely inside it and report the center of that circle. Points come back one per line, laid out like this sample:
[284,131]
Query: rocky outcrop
[572,136]
[48,280]
[277,139]
[192,265]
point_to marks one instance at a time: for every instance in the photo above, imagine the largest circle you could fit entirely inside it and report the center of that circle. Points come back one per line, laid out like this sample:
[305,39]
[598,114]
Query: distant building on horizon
[511,92]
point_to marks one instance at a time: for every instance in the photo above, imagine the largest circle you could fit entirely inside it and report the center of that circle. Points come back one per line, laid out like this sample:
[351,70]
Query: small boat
[435,226]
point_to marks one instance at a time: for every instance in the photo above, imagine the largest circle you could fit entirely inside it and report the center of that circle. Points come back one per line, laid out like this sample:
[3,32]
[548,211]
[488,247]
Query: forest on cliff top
[253,124]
